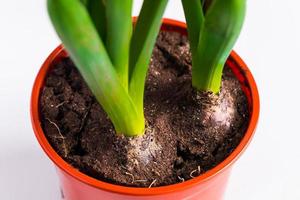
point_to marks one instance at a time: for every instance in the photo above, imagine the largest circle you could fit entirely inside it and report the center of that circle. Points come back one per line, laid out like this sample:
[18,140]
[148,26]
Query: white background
[270,45]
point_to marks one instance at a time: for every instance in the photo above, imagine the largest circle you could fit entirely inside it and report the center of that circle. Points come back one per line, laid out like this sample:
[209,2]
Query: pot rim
[64,166]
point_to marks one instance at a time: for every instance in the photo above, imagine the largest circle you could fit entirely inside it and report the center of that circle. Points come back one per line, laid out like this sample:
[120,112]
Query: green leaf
[223,23]
[96,9]
[194,17]
[84,2]
[142,43]
[79,36]
[206,4]
[119,31]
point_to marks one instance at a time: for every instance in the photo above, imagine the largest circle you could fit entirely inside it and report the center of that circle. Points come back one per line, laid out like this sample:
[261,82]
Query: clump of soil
[187,133]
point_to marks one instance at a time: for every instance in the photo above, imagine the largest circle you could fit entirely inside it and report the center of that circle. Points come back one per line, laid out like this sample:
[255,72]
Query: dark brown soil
[188,132]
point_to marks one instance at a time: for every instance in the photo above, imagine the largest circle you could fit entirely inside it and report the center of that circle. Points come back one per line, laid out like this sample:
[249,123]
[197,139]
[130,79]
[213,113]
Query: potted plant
[119,128]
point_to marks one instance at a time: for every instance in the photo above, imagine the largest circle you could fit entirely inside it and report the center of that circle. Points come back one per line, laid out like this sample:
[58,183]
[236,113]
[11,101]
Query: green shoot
[195,17]
[143,40]
[119,30]
[98,14]
[112,58]
[217,31]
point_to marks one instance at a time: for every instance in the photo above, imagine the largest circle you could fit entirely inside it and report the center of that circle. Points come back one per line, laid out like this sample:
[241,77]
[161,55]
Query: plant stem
[119,31]
[79,36]
[142,43]
[223,23]
[194,16]
[97,12]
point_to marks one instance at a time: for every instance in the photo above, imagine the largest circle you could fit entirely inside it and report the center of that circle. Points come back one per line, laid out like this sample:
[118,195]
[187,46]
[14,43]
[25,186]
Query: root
[60,136]
[153,182]
[60,104]
[198,170]
[84,119]
[132,177]
[181,179]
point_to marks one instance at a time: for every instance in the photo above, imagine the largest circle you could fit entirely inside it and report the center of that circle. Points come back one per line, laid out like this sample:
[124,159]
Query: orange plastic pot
[209,186]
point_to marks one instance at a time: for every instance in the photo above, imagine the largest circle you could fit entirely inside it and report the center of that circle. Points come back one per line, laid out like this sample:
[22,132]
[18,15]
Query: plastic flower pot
[208,186]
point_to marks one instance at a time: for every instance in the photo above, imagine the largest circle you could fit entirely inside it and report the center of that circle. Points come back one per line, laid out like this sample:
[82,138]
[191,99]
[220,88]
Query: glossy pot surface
[209,186]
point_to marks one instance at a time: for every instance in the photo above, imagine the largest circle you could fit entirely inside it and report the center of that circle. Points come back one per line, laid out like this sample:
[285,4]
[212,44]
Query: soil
[188,132]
